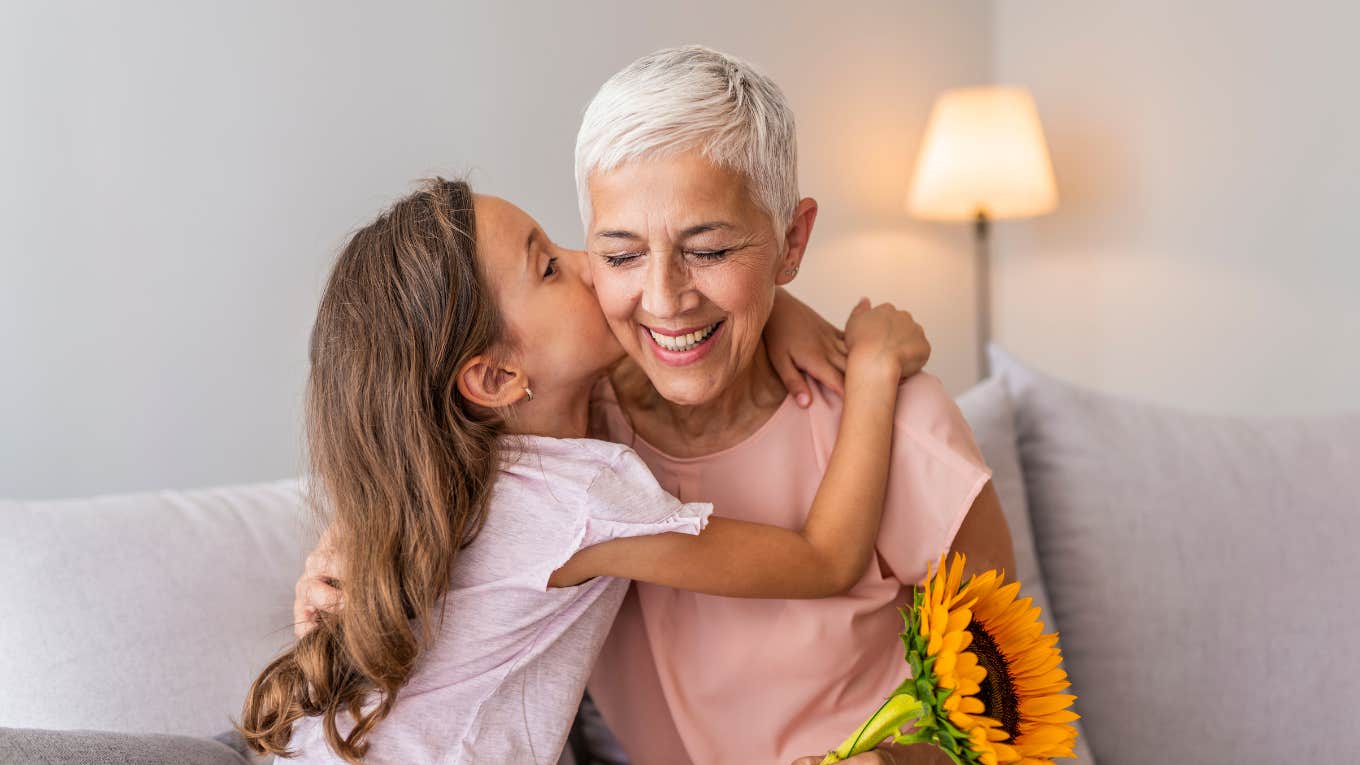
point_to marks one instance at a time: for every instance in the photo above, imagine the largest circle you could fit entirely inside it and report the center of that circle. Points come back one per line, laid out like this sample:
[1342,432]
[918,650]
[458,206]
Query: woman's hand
[882,338]
[318,589]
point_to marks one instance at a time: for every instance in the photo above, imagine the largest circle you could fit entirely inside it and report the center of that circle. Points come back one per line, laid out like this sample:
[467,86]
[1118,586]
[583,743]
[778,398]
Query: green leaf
[924,688]
[915,737]
[906,686]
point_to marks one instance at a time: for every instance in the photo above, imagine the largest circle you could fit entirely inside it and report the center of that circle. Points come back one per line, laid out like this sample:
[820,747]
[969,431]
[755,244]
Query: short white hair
[681,99]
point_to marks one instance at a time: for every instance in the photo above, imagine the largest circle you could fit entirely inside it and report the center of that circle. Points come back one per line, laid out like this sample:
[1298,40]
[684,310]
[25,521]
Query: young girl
[487,543]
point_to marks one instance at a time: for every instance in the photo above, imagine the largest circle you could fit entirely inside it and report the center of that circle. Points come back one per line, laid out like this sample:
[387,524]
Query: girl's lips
[682,358]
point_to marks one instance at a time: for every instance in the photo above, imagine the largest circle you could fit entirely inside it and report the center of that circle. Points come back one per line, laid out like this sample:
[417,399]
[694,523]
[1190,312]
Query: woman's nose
[667,291]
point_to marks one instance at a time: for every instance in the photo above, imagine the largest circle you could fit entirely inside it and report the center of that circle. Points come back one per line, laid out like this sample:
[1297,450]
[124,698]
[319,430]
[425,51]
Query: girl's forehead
[503,233]
[506,240]
[494,214]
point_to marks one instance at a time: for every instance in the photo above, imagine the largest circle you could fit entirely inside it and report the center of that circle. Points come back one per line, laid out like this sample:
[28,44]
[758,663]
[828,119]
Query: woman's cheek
[612,292]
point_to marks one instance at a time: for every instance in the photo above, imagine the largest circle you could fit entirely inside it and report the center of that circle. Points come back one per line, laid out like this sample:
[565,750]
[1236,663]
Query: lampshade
[984,152]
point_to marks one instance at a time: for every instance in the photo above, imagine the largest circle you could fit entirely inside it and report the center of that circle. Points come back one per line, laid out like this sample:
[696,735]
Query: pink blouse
[689,678]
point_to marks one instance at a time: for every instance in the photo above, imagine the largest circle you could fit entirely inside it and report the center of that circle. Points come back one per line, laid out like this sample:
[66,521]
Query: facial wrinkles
[676,279]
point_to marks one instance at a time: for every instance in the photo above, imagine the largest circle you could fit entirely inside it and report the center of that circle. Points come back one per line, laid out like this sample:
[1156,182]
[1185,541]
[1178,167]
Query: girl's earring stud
[528,393]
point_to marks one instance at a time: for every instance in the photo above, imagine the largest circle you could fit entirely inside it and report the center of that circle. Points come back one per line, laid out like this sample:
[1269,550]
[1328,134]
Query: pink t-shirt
[509,662]
[688,678]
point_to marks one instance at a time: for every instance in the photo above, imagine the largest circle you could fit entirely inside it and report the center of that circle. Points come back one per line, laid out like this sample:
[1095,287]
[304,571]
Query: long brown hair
[402,465]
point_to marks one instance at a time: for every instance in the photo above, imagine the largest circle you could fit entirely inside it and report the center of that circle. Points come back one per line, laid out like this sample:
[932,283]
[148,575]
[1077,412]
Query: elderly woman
[686,170]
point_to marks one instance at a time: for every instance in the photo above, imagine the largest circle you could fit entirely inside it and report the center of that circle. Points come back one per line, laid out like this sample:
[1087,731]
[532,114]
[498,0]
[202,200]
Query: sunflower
[985,685]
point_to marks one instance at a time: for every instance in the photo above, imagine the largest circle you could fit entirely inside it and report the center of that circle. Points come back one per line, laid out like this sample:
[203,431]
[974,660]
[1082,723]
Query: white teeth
[681,343]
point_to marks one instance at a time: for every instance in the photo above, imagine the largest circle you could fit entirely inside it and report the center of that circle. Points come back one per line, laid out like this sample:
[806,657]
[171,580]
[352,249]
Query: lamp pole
[983,270]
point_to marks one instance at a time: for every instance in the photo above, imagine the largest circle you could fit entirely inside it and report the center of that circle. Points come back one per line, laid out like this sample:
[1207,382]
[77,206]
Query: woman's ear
[796,239]
[492,385]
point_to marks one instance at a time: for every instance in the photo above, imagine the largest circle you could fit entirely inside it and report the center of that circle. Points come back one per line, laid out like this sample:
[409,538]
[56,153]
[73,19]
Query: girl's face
[558,333]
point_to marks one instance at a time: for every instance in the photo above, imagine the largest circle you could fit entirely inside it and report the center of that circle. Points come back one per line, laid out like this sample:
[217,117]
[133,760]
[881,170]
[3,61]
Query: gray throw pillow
[1202,569]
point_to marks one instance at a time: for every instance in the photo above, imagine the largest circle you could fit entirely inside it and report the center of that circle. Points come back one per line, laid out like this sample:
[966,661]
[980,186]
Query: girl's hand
[882,338]
[797,340]
[318,588]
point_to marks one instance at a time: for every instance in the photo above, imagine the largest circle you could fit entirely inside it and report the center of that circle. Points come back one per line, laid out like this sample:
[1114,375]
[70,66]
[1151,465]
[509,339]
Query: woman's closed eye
[710,254]
[621,258]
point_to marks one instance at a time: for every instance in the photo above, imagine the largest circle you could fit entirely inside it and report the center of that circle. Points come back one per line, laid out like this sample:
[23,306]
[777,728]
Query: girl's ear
[796,239]
[489,384]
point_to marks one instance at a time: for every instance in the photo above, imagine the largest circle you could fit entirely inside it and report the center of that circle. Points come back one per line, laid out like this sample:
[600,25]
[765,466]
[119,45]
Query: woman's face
[684,265]
[544,293]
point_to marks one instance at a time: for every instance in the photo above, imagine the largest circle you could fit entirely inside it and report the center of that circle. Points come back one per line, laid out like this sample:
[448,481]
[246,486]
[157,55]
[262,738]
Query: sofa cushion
[987,407]
[145,612]
[97,747]
[1202,569]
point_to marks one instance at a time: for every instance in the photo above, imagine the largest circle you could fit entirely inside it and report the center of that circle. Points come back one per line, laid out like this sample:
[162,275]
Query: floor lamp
[983,158]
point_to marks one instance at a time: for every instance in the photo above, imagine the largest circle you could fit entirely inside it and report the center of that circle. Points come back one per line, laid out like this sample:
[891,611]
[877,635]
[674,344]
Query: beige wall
[1207,252]
[178,176]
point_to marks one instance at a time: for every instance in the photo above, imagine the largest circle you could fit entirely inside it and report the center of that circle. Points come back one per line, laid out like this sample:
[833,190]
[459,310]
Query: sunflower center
[996,691]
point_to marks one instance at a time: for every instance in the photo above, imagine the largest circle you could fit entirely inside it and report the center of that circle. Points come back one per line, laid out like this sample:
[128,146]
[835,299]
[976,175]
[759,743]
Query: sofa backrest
[145,612]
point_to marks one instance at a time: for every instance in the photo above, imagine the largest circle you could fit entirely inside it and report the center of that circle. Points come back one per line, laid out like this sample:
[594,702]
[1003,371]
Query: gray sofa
[1199,569]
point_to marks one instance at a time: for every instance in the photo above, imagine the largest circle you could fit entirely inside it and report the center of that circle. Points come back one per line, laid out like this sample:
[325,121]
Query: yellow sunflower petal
[958,620]
[1045,734]
[1046,704]
[955,574]
[971,705]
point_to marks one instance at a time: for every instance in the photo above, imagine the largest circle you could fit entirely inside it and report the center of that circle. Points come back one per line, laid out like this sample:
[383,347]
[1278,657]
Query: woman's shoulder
[926,415]
[921,397]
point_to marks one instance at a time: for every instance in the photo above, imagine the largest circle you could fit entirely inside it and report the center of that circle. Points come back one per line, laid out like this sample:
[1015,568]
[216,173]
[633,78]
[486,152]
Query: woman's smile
[685,346]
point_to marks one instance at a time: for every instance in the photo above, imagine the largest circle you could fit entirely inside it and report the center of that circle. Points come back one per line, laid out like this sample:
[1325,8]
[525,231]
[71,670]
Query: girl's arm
[798,340]
[830,553]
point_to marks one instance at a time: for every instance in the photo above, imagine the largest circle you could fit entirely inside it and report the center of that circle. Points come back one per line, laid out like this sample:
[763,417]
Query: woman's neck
[696,430]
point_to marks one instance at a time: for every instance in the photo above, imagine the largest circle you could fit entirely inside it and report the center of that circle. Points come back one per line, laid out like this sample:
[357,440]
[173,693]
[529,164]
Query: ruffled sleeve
[624,500]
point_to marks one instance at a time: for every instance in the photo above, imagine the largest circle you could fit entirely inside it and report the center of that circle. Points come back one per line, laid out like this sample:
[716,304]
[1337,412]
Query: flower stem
[900,709]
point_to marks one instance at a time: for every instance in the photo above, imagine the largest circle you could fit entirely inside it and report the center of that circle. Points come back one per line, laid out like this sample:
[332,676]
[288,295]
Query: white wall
[1206,253]
[179,175]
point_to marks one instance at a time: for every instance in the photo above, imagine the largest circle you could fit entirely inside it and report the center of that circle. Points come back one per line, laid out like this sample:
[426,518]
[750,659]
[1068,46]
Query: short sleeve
[625,500]
[937,472]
